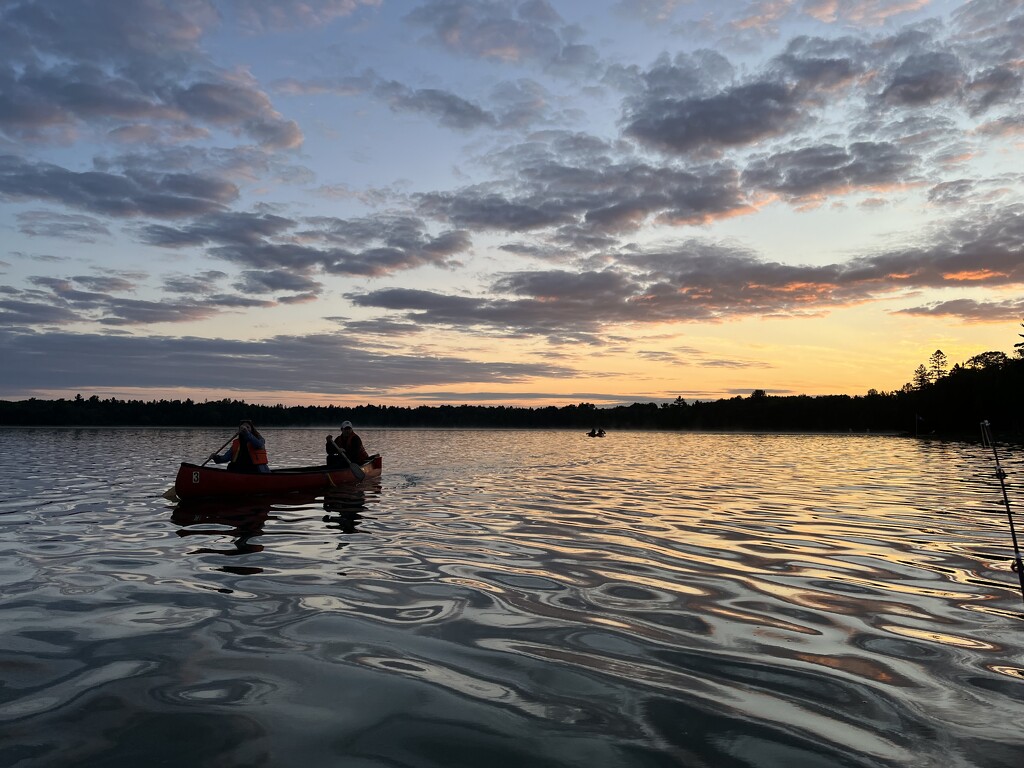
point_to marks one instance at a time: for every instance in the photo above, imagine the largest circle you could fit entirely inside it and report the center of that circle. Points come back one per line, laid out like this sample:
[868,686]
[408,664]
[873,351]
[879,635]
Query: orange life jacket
[256,455]
[352,445]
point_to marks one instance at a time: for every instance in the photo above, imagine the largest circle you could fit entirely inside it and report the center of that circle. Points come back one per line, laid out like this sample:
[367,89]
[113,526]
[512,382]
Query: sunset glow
[522,203]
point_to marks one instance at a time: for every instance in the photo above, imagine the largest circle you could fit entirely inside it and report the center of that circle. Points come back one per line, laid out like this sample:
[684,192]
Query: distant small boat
[201,482]
[595,433]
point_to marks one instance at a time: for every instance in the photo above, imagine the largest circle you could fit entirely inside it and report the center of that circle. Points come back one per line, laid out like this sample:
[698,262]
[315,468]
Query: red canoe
[196,482]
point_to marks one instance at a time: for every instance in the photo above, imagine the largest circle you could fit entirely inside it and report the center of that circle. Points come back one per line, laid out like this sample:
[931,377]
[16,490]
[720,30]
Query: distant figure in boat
[350,443]
[248,451]
[595,432]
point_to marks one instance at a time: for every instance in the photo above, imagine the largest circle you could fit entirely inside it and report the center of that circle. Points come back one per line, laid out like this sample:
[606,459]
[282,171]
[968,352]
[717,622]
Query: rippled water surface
[519,598]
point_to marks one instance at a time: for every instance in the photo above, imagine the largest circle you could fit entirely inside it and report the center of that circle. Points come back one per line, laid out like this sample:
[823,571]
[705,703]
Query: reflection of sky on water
[733,599]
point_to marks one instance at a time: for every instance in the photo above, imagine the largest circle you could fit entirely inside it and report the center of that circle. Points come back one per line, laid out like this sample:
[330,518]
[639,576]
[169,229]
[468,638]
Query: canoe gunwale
[369,464]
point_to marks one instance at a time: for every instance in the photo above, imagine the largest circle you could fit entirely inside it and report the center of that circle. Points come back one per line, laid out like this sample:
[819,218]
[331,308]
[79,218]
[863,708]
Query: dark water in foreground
[537,599]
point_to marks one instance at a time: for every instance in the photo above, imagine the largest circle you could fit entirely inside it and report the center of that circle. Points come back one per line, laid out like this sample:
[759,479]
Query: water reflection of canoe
[242,520]
[194,481]
[243,511]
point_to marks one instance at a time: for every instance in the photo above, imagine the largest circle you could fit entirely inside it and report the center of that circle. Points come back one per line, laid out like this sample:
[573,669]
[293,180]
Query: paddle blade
[170,494]
[357,471]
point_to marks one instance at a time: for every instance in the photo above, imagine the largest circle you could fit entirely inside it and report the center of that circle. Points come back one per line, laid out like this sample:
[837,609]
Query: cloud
[479,209]
[105,283]
[228,227]
[353,85]
[121,195]
[84,299]
[991,30]
[563,314]
[765,16]
[737,116]
[377,327]
[697,281]
[569,182]
[64,226]
[45,360]
[200,284]
[828,168]
[705,284]
[488,29]
[971,310]
[15,312]
[97,31]
[245,108]
[694,105]
[516,104]
[269,281]
[520,103]
[993,87]
[261,16]
[132,312]
[570,398]
[65,290]
[981,248]
[371,246]
[588,287]
[450,110]
[925,78]
[953,192]
[867,13]
[232,164]
[101,63]
[824,64]
[652,12]
[1006,126]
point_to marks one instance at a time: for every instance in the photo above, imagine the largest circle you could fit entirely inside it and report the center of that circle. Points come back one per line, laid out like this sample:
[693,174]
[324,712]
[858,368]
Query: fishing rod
[987,441]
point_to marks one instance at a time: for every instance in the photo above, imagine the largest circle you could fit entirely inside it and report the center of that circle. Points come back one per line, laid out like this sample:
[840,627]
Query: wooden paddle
[210,457]
[356,469]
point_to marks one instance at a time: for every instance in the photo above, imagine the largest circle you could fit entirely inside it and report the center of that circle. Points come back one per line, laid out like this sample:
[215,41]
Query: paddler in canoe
[248,451]
[346,447]
[250,473]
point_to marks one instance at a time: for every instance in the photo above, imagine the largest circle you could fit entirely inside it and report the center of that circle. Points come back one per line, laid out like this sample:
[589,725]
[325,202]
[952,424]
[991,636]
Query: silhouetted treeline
[989,386]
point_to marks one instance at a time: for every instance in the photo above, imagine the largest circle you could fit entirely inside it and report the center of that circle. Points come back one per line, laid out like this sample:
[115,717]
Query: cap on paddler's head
[346,425]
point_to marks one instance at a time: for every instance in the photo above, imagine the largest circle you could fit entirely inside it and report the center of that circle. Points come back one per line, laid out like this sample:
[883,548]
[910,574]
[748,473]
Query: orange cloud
[971,275]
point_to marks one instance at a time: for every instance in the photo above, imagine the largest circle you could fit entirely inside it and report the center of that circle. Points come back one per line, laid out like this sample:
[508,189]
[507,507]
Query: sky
[496,202]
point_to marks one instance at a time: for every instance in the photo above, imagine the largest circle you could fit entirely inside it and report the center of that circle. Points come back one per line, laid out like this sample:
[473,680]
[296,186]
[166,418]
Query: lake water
[519,598]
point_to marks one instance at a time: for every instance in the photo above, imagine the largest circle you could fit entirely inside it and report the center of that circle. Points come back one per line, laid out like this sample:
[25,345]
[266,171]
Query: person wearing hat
[248,451]
[350,443]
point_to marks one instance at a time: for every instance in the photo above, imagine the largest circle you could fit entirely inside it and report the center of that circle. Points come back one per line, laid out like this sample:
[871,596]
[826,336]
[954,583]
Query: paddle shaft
[210,457]
[356,469]
[1018,564]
